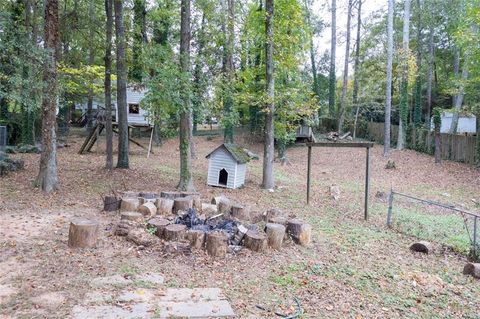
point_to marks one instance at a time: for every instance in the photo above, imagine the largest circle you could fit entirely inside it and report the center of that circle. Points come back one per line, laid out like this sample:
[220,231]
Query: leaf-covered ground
[352,269]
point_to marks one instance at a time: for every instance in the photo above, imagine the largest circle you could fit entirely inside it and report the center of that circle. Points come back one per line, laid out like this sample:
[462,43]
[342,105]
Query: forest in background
[250,63]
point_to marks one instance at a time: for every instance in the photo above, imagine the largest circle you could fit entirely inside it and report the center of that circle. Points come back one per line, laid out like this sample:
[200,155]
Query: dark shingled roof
[237,152]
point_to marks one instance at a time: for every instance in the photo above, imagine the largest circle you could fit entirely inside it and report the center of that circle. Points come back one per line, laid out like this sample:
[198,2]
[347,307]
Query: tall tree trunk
[47,176]
[28,113]
[417,113]
[198,75]
[91,60]
[228,48]
[388,97]
[402,127]
[268,181]
[122,161]
[356,68]
[316,85]
[108,83]
[332,76]
[430,78]
[460,96]
[343,101]
[456,70]
[139,39]
[186,182]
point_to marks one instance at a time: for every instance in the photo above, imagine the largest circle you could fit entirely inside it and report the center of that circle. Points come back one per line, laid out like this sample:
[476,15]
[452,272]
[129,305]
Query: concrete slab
[152,278]
[201,309]
[140,310]
[115,280]
[195,294]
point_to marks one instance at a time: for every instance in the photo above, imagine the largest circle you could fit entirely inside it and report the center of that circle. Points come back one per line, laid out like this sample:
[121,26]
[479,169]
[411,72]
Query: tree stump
[129,204]
[241,212]
[278,220]
[196,201]
[140,237]
[174,232]
[422,247]
[111,203]
[83,232]
[132,216]
[275,235]
[159,224]
[148,209]
[300,232]
[164,206]
[209,209]
[196,238]
[182,203]
[217,244]
[124,227]
[170,195]
[255,240]
[224,207]
[273,212]
[256,216]
[472,269]
[217,199]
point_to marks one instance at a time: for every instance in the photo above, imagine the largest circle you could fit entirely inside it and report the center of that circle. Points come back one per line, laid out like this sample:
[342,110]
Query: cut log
[148,209]
[422,247]
[241,212]
[111,203]
[174,232]
[182,203]
[239,235]
[129,204]
[140,237]
[129,194]
[209,209]
[164,206]
[255,240]
[335,192]
[217,199]
[224,207]
[256,216]
[300,232]
[147,195]
[278,220]
[196,238]
[175,247]
[272,212]
[217,244]
[196,201]
[159,224]
[143,200]
[275,235]
[186,194]
[132,216]
[472,269]
[83,232]
[170,195]
[124,226]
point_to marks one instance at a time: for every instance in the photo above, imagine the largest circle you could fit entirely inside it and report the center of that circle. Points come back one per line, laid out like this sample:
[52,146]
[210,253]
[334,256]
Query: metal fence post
[390,207]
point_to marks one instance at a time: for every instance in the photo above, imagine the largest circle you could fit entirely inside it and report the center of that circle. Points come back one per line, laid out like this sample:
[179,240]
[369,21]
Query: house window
[133,108]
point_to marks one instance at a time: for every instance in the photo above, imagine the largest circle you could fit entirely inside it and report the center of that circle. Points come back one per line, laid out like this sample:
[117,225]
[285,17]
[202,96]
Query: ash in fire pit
[193,221]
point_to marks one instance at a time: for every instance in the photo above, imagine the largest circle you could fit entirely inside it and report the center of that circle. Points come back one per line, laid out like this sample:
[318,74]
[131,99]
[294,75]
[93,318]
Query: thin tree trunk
[186,182]
[268,181]
[139,39]
[388,98]
[332,76]
[343,100]
[122,161]
[456,70]
[430,77]
[91,60]
[459,97]
[356,67]
[27,111]
[229,47]
[47,176]
[402,129]
[108,83]
[417,114]
[316,86]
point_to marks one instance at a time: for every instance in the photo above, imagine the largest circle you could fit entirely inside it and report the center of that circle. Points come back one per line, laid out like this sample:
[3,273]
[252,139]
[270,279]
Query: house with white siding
[136,115]
[227,166]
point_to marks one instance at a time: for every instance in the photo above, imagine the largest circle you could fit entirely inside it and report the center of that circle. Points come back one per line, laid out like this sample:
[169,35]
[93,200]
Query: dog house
[227,165]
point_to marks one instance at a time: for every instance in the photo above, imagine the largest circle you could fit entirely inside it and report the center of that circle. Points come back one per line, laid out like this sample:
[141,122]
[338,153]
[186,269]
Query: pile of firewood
[336,136]
[184,222]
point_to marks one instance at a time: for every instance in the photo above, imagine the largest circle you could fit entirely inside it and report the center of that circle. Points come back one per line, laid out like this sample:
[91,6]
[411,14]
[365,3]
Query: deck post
[367,182]
[309,171]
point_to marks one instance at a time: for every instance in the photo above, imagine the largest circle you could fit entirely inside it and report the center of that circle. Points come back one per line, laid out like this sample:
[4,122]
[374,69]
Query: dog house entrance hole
[223,177]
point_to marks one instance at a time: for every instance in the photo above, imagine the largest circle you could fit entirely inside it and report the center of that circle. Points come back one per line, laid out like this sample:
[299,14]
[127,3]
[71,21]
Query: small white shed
[227,165]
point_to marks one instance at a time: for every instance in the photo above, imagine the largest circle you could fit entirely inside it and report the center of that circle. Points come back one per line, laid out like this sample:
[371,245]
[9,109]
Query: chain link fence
[445,224]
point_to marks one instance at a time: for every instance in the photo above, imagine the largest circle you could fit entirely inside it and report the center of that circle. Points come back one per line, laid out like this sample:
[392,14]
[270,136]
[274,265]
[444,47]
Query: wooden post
[309,170]
[390,208]
[367,182]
